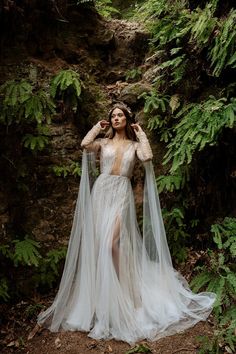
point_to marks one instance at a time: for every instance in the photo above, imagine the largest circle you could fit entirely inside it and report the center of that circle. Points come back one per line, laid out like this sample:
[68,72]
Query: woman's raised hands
[104,124]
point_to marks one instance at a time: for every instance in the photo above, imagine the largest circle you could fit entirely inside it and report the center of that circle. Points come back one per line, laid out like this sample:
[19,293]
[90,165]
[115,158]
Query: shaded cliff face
[37,42]
[38,39]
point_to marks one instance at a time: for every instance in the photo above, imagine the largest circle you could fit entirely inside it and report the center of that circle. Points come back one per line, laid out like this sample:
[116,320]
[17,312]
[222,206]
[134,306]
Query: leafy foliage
[133,74]
[4,289]
[218,276]
[73,169]
[200,125]
[67,86]
[176,232]
[139,348]
[35,142]
[23,104]
[223,51]
[48,270]
[154,107]
[104,7]
[26,253]
[33,309]
[202,23]
[174,181]
[177,28]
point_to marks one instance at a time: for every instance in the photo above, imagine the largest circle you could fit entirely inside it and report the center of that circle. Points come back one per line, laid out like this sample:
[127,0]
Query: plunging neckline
[119,156]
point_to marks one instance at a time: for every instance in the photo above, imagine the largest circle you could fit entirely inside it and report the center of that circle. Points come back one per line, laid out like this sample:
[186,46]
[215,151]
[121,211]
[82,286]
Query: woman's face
[118,119]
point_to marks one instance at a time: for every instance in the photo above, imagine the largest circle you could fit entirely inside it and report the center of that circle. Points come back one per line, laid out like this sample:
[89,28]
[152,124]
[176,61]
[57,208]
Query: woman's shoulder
[104,141]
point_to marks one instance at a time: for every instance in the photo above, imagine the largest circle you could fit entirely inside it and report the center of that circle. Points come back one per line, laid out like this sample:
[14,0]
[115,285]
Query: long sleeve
[143,148]
[89,141]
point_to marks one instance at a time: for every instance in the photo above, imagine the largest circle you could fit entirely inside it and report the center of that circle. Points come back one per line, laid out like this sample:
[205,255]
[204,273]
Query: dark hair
[129,120]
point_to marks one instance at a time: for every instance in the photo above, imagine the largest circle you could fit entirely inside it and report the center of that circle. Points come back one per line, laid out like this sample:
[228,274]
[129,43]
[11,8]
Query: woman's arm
[143,148]
[89,141]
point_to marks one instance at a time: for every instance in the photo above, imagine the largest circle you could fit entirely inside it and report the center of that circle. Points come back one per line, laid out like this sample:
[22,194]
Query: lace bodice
[117,159]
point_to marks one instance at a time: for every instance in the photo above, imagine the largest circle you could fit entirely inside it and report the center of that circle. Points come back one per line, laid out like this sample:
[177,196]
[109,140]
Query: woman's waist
[115,176]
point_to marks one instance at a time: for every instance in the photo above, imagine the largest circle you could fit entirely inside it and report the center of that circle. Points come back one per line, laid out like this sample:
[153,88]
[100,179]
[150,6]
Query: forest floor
[20,335]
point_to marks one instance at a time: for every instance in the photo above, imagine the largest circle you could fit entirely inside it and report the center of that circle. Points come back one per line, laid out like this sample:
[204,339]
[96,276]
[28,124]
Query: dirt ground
[45,342]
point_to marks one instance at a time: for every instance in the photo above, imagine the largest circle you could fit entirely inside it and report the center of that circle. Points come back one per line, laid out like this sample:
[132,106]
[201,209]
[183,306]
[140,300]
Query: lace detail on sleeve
[89,142]
[143,148]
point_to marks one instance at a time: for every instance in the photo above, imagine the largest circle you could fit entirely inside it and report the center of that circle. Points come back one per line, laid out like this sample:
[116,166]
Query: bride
[119,283]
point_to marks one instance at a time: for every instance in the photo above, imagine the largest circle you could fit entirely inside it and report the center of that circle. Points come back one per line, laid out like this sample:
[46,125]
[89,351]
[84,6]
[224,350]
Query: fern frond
[26,252]
[222,52]
[4,295]
[200,280]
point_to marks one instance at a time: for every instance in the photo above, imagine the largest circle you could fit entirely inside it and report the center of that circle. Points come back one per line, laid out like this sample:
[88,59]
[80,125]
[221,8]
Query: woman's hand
[136,127]
[104,124]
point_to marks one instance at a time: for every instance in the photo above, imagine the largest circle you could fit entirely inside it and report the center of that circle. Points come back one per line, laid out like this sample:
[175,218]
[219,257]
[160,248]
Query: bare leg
[116,245]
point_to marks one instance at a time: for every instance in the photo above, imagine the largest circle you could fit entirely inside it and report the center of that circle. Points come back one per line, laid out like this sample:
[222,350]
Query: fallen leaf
[35,330]
[57,342]
[17,343]
[110,349]
[11,344]
[92,345]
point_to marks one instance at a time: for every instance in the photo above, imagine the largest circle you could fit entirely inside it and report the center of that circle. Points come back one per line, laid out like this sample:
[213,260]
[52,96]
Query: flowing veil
[80,256]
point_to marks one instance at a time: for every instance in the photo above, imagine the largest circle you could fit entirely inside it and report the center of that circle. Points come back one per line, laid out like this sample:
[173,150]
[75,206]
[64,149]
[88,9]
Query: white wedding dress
[119,283]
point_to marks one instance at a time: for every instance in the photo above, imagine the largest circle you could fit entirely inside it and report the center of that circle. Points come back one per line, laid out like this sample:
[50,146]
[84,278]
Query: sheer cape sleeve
[89,142]
[143,148]
[79,265]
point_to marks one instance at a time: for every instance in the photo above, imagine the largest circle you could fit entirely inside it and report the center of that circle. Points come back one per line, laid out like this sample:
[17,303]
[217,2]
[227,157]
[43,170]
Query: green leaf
[139,348]
[26,252]
[200,281]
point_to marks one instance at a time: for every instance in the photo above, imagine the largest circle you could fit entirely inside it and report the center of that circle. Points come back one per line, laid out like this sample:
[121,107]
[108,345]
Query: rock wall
[102,52]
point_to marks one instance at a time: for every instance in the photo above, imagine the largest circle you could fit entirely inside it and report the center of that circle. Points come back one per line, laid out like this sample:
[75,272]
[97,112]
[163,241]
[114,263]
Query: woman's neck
[120,135]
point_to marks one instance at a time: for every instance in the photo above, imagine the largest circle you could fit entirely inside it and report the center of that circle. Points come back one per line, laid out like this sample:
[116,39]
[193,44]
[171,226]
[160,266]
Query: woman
[117,283]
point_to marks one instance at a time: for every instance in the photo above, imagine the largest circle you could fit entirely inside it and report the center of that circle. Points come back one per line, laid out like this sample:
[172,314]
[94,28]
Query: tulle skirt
[127,304]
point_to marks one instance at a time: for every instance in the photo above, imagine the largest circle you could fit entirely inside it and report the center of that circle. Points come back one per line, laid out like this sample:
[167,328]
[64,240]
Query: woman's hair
[129,120]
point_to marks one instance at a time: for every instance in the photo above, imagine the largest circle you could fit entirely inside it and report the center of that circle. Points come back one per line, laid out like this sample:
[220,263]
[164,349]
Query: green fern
[225,235]
[154,101]
[67,85]
[223,339]
[222,52]
[38,107]
[202,24]
[4,289]
[173,182]
[176,231]
[22,104]
[15,92]
[33,310]
[133,74]
[105,8]
[74,169]
[53,257]
[173,26]
[219,276]
[200,126]
[61,171]
[35,142]
[26,252]
[139,348]
[48,269]
[64,80]
[177,67]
